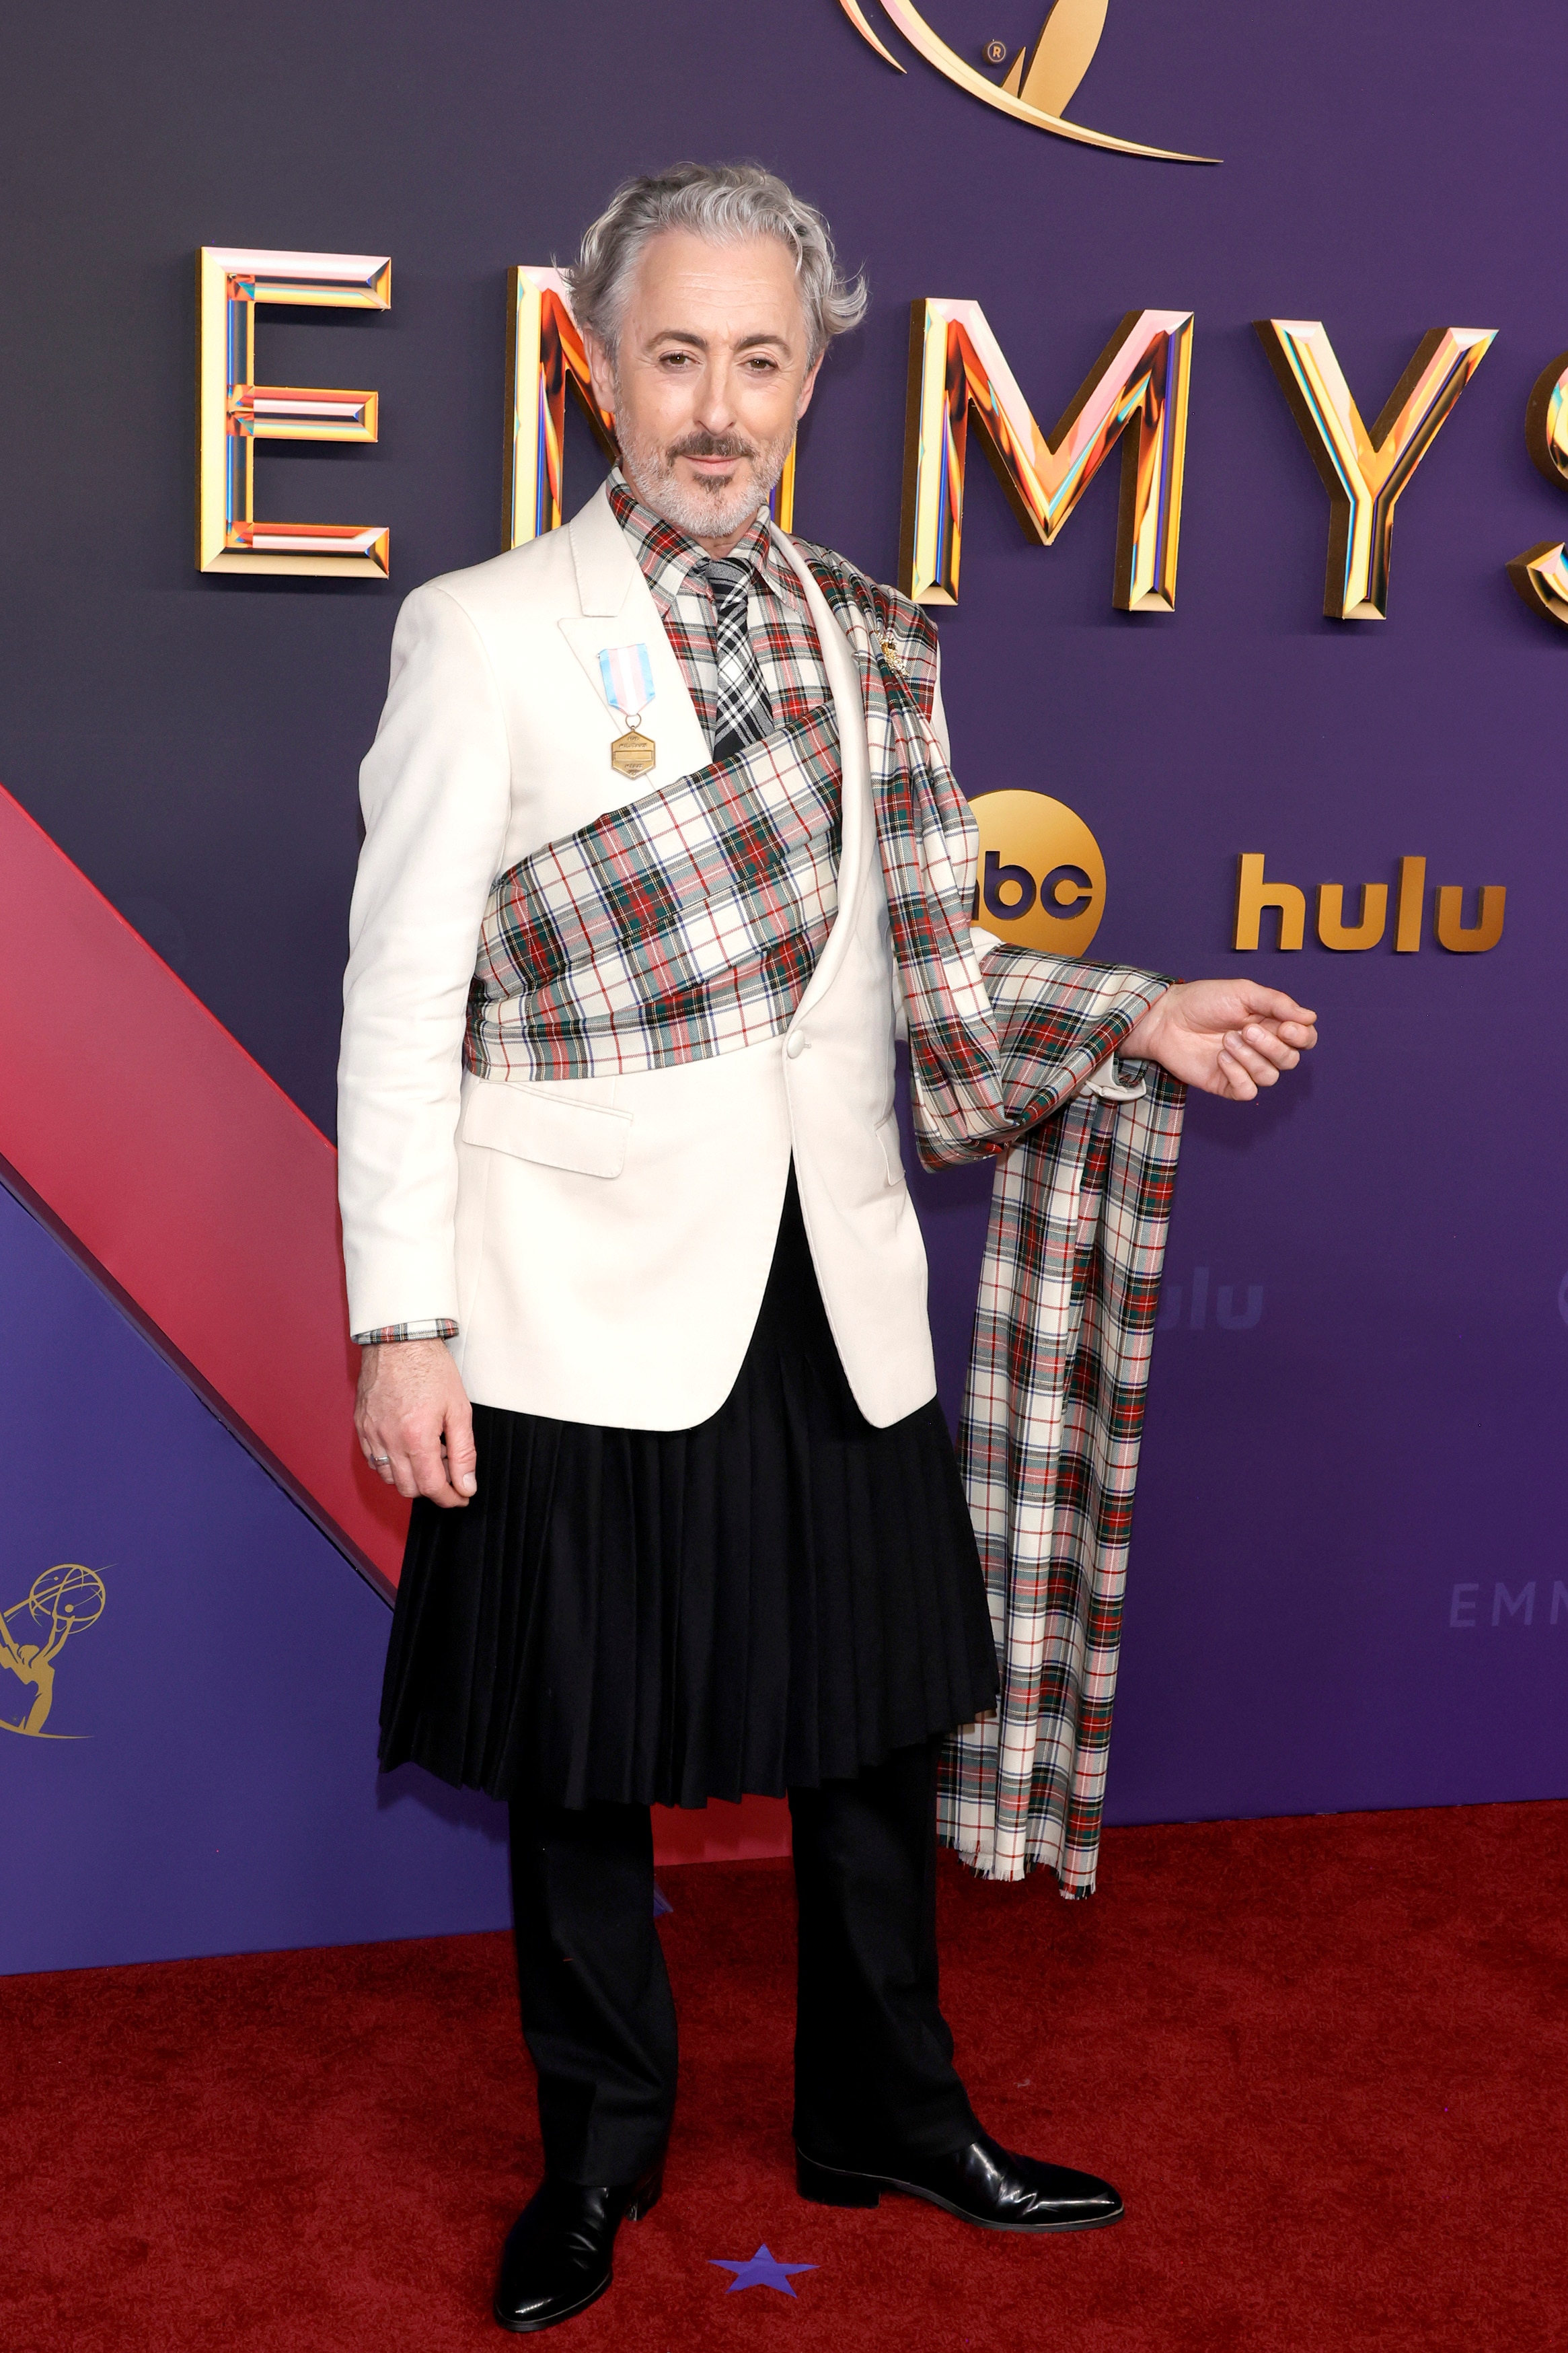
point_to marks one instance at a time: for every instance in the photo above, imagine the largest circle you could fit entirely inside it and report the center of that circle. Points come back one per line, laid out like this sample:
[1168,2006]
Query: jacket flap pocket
[588,1139]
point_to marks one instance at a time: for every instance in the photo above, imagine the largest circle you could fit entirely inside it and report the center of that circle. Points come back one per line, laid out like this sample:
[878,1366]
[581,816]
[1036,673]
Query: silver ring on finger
[381,1458]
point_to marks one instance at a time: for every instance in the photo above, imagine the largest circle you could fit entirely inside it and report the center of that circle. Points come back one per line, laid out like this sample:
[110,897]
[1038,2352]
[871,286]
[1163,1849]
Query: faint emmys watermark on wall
[1184,1306]
[1468,1612]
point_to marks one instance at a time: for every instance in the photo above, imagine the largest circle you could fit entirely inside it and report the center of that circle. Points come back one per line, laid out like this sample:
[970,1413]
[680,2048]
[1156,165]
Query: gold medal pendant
[632,755]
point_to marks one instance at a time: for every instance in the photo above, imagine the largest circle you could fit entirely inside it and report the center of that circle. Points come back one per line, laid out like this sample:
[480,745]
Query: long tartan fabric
[1053,1409]
[1080,1206]
[687,925]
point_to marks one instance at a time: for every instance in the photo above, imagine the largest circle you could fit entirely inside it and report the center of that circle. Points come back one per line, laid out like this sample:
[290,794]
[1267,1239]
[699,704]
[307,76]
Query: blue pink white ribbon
[627,674]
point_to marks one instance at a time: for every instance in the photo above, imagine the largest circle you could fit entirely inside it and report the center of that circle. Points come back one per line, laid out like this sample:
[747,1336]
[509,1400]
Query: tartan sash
[688,924]
[683,925]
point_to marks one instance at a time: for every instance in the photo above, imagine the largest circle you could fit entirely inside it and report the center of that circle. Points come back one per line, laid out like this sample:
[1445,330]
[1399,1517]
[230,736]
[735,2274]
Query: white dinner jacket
[602,1244]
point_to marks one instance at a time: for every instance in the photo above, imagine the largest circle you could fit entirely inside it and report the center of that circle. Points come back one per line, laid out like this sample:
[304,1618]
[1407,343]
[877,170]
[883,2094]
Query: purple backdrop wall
[1334,1494]
[208,1779]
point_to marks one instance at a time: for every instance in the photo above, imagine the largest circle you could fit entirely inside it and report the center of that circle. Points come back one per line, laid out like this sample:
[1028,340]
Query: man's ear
[809,386]
[601,369]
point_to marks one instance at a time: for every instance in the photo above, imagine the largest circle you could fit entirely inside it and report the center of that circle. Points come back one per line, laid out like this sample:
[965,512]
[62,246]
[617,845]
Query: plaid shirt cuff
[434,1327]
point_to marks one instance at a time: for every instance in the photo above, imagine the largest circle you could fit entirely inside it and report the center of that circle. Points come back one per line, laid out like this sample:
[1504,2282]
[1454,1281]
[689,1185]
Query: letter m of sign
[1136,393]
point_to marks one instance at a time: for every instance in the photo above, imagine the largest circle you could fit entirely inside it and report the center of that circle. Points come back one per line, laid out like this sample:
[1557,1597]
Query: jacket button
[796,1044]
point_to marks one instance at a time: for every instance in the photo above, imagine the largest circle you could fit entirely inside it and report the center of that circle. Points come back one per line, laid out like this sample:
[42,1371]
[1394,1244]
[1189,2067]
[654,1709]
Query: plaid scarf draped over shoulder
[687,925]
[1058,1365]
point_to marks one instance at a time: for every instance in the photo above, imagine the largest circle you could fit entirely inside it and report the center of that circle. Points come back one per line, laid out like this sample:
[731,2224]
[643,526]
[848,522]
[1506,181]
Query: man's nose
[716,406]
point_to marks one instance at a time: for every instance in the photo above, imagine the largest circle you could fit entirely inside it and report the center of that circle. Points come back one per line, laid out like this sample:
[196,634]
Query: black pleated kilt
[777,1597]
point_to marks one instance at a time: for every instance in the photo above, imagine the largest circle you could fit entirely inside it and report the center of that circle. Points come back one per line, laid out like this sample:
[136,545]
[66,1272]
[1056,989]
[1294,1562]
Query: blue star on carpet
[761,2272]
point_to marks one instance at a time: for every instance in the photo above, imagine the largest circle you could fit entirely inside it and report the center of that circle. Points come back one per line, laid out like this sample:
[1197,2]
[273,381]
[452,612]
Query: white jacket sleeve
[435,792]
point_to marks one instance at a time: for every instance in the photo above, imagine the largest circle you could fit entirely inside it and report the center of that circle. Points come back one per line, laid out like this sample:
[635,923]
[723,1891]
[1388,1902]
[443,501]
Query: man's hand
[1227,1037]
[414,1421]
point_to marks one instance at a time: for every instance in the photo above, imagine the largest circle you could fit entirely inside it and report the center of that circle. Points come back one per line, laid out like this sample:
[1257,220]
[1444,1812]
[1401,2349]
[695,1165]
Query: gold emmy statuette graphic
[1044,74]
[64,1599]
[1041,879]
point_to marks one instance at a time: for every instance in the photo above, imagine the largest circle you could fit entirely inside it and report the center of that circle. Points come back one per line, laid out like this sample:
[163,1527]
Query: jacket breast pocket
[589,1139]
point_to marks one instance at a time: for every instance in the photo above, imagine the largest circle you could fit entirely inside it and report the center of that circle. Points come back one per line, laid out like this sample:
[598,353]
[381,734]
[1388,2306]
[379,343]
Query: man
[659,835]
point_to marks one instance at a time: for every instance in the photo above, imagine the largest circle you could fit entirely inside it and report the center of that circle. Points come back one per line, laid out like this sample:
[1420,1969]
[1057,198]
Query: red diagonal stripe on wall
[171,1159]
[167,1160]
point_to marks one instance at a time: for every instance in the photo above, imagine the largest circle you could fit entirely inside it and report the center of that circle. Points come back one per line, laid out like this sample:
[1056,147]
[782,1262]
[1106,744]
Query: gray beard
[720,512]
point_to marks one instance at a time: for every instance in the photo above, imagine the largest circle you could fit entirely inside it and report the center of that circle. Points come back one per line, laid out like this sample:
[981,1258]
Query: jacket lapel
[857,864]
[619,610]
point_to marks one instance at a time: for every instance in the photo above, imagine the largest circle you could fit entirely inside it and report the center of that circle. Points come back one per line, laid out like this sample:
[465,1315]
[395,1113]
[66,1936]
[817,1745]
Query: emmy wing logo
[65,1600]
[1042,78]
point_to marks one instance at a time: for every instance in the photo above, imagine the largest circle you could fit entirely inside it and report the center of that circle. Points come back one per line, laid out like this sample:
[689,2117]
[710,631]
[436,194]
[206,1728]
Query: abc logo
[1041,879]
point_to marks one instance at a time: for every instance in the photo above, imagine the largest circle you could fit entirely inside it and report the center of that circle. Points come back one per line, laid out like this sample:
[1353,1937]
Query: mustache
[711,445]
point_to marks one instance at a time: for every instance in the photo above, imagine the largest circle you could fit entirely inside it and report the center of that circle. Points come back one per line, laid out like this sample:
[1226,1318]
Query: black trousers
[873,2059]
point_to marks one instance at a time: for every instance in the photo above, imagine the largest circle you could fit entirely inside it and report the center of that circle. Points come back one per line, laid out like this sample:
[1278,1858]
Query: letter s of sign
[1540,573]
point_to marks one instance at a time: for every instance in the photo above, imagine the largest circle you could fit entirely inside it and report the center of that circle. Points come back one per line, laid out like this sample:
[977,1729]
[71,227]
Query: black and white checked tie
[743,714]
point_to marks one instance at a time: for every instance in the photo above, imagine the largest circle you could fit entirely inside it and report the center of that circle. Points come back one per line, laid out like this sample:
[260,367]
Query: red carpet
[1326,2062]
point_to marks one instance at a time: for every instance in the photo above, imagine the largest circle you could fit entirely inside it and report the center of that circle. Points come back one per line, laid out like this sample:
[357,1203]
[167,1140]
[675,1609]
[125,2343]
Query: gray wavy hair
[725,203]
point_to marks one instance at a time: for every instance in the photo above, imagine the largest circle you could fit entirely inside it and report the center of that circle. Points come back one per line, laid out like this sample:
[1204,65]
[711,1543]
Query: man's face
[710,378]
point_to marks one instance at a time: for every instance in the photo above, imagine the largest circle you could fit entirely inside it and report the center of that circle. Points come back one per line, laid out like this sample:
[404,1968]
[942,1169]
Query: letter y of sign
[1366,473]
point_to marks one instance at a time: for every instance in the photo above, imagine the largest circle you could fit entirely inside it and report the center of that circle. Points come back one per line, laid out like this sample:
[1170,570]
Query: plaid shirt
[793,672]
[780,621]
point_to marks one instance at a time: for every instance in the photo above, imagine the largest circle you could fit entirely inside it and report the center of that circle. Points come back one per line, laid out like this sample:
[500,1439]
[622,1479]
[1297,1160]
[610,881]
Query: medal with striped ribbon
[628,675]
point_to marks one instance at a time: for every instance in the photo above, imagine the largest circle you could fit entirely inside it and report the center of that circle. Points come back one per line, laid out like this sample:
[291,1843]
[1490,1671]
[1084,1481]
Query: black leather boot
[556,2260]
[981,2183]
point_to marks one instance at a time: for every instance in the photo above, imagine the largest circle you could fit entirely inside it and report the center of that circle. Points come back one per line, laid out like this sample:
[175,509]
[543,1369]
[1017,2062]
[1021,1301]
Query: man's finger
[1237,1081]
[429,1472]
[1270,1045]
[405,1475]
[374,1452]
[1275,1004]
[1296,1039]
[462,1455]
[1258,1068]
